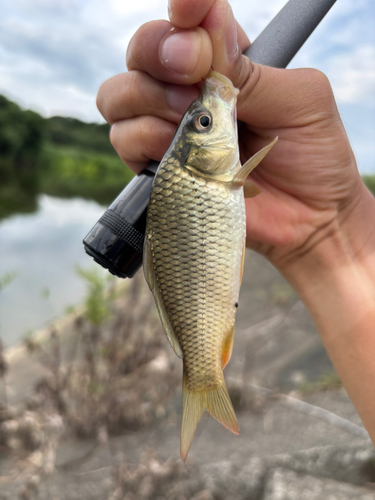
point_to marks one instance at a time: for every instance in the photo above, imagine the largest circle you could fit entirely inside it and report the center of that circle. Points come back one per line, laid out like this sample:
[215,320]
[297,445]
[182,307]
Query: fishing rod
[116,240]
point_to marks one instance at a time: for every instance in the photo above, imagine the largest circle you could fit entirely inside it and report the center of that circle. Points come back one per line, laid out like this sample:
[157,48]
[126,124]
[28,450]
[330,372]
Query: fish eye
[203,122]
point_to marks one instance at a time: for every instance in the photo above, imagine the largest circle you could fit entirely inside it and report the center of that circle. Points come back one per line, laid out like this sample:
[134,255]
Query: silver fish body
[194,248]
[197,232]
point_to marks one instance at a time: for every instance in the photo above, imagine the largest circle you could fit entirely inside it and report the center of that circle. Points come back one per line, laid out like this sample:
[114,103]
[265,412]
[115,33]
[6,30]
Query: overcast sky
[54,54]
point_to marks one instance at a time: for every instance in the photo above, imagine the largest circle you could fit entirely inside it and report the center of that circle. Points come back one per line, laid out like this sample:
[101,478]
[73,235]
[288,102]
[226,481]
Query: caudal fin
[216,401]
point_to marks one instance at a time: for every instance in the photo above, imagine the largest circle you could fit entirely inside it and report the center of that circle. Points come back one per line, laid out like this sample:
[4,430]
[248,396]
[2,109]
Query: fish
[194,248]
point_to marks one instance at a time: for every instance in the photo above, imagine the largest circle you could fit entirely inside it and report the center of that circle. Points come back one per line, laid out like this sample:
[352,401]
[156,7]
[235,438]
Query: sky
[54,54]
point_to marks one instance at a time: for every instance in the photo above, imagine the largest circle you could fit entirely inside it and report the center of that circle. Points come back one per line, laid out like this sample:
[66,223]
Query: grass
[326,382]
[369,180]
[74,172]
[100,294]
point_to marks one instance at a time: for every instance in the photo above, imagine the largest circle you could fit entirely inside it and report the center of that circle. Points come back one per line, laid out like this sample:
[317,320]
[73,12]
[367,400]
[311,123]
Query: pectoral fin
[250,189]
[148,268]
[252,163]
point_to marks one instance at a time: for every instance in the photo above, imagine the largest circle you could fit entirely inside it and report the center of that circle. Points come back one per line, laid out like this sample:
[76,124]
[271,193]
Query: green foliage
[21,137]
[326,382]
[369,180]
[74,133]
[99,297]
[70,309]
[79,172]
[57,156]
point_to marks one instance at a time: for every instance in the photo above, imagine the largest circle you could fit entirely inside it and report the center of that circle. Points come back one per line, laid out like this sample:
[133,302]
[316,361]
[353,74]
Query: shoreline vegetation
[58,156]
[93,401]
[98,392]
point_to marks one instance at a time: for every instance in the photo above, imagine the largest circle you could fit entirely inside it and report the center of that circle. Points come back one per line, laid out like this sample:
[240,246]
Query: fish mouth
[221,85]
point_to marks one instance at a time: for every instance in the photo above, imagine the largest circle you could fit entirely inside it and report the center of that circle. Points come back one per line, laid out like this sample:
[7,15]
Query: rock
[234,481]
[283,484]
[352,463]
[203,495]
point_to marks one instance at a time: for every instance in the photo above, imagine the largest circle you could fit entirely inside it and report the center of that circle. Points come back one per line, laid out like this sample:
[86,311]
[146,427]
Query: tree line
[59,156]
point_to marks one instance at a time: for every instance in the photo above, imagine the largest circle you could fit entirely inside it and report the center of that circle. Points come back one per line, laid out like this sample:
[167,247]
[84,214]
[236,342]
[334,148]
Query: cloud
[54,55]
[353,75]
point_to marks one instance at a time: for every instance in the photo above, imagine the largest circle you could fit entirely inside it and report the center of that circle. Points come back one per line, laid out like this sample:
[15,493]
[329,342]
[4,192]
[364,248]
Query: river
[43,250]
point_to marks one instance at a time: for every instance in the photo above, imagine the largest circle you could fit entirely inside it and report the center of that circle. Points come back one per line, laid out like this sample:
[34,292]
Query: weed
[326,382]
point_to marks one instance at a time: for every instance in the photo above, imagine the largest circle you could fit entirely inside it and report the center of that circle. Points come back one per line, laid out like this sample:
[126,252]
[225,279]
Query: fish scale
[211,218]
[194,248]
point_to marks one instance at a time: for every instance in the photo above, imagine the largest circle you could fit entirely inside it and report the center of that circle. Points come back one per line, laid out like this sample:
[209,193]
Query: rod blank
[280,41]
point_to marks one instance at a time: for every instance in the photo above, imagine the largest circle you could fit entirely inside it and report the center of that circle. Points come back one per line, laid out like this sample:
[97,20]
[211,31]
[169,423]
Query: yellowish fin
[250,189]
[227,349]
[252,163]
[216,401]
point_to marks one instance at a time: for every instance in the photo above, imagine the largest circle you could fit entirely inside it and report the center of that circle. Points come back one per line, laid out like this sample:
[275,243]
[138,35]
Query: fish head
[206,140]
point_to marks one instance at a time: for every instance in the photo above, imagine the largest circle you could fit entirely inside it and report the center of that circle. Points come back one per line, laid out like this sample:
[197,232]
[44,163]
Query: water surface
[44,249]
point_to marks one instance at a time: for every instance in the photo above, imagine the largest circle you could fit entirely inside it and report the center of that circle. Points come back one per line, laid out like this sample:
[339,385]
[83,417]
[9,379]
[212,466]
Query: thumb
[227,37]
[228,41]
[269,98]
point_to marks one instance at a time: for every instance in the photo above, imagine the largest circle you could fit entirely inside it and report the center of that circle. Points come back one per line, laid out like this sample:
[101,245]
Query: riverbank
[56,156]
[111,424]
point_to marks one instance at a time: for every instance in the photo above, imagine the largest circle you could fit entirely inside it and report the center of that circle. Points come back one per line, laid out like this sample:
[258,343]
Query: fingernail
[180,52]
[231,35]
[179,97]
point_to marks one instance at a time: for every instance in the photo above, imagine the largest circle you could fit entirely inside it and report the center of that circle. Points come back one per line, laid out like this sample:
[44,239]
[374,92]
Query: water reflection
[43,248]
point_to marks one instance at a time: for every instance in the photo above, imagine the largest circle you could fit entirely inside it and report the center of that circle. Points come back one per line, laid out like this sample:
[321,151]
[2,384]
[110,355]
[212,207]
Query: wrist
[338,253]
[336,281]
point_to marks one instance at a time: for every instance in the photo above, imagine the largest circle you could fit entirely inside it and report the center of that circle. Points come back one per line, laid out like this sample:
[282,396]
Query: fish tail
[216,401]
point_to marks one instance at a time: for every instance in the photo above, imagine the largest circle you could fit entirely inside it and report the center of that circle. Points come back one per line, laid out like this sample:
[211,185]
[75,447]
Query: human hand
[309,180]
[314,218]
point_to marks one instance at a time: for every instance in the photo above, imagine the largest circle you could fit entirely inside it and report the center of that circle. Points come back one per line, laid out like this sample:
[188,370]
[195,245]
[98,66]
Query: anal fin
[227,348]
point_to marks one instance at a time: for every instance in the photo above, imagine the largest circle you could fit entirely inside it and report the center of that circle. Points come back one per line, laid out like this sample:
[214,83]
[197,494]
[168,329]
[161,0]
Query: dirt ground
[284,451]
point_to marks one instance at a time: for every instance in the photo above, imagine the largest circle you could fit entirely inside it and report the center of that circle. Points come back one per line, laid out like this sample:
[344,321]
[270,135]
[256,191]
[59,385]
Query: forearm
[336,281]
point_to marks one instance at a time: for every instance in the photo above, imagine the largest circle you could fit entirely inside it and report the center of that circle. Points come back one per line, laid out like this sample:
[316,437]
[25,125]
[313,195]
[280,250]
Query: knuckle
[101,99]
[141,138]
[107,97]
[114,136]
[148,133]
[318,85]
[155,136]
[112,97]
[317,76]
